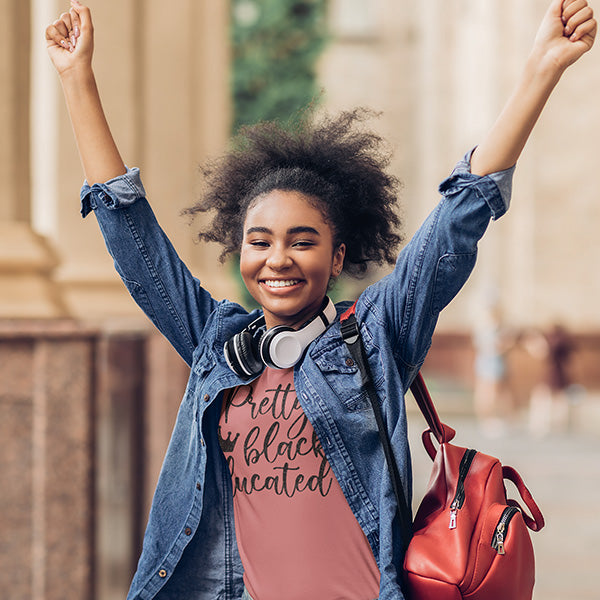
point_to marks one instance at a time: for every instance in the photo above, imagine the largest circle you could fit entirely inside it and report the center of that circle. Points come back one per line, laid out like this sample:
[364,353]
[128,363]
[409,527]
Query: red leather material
[445,563]
[428,589]
[509,575]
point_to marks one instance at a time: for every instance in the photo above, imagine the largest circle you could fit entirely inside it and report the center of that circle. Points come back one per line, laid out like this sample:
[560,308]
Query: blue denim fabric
[398,315]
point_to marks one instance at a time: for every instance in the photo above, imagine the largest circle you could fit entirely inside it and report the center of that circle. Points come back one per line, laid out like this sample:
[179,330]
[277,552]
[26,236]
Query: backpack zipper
[500,531]
[459,497]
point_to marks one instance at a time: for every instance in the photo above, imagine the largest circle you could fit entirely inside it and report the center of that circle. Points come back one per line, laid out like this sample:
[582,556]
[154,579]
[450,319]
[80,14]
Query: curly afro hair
[333,161]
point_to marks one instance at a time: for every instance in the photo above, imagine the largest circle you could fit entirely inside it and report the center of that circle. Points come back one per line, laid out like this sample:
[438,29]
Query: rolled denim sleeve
[502,179]
[435,264]
[148,264]
[118,192]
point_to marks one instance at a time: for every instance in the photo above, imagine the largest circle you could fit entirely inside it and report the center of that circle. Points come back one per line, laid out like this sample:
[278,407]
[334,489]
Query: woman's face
[288,257]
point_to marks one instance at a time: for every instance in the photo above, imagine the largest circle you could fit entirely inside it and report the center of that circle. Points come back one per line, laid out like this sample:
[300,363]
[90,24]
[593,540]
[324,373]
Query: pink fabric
[296,533]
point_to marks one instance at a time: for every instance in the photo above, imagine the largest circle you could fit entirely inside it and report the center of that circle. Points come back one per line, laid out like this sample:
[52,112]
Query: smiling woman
[274,484]
[288,256]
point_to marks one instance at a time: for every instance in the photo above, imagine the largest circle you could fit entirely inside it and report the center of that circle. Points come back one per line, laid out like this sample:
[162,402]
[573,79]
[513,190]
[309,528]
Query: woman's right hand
[70,39]
[70,44]
[568,31]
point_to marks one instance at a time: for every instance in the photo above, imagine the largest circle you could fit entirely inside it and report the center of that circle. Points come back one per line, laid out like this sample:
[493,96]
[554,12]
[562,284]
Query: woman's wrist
[543,68]
[78,75]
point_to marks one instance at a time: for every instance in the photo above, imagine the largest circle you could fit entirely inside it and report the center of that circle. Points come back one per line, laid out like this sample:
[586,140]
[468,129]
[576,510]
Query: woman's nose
[278,259]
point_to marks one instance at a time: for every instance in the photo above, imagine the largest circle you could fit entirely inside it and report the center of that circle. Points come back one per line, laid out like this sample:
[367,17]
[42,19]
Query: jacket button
[349,362]
[202,442]
[198,486]
[162,573]
[188,531]
[206,397]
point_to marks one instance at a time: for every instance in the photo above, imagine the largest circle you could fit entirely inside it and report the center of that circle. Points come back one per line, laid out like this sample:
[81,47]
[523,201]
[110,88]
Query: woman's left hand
[567,31]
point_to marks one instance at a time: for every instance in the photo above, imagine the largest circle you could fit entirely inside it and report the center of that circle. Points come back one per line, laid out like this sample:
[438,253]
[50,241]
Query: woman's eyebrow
[291,230]
[303,229]
[258,230]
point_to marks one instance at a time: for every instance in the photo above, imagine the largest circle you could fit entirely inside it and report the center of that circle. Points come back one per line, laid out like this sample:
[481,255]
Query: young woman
[274,484]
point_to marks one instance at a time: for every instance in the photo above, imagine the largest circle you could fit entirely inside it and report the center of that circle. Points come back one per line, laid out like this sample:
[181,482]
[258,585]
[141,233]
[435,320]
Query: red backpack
[468,540]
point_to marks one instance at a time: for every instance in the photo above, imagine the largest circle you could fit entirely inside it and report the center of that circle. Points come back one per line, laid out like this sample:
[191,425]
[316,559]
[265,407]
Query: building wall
[88,390]
[440,74]
[167,99]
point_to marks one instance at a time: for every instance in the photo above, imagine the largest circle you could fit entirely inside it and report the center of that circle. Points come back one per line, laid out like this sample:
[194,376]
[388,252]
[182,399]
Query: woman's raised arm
[567,31]
[70,44]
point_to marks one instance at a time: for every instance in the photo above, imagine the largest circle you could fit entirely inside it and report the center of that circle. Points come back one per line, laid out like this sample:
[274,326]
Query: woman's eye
[259,243]
[303,243]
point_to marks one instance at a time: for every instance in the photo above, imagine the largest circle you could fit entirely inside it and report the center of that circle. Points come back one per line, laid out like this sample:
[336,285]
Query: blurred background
[89,391]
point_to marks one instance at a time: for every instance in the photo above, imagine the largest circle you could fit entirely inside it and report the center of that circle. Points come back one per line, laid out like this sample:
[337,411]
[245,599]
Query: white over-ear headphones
[280,347]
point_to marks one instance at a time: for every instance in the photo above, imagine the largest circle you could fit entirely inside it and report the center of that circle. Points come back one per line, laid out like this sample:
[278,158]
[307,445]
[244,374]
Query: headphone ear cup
[247,350]
[280,348]
[241,354]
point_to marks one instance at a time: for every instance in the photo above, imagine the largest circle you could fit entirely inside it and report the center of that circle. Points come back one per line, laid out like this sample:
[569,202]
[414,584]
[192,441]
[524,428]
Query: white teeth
[278,283]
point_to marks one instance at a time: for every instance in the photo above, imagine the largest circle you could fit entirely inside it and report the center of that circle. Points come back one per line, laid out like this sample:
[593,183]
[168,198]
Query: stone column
[163,78]
[184,119]
[74,462]
[120,414]
[46,464]
[26,259]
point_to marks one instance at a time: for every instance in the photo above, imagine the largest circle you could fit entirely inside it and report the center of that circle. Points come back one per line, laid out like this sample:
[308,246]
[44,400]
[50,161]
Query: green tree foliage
[276,44]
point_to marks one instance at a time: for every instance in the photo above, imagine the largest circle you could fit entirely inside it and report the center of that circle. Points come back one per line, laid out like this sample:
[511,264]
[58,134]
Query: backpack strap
[351,336]
[441,431]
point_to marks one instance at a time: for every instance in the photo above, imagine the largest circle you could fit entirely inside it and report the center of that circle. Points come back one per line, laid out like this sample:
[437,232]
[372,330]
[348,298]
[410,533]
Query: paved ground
[563,473]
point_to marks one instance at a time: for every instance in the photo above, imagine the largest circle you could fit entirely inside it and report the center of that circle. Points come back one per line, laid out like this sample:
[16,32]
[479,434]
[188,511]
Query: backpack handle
[535,522]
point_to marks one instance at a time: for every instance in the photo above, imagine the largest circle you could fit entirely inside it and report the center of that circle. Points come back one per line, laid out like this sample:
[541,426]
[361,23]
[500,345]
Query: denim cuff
[502,179]
[116,193]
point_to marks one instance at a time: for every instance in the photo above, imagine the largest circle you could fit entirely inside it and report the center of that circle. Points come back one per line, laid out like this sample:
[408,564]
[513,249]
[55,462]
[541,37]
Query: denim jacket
[190,550]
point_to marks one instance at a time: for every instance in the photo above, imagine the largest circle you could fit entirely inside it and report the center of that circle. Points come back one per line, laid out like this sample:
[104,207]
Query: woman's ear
[338,260]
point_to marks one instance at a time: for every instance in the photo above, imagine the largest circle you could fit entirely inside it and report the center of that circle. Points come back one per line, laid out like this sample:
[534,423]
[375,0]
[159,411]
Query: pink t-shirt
[296,534]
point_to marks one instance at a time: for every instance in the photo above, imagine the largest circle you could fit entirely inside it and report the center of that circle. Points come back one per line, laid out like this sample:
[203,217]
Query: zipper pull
[453,513]
[500,539]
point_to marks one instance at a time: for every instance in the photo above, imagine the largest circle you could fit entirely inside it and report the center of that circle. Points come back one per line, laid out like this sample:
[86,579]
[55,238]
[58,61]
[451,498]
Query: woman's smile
[281,283]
